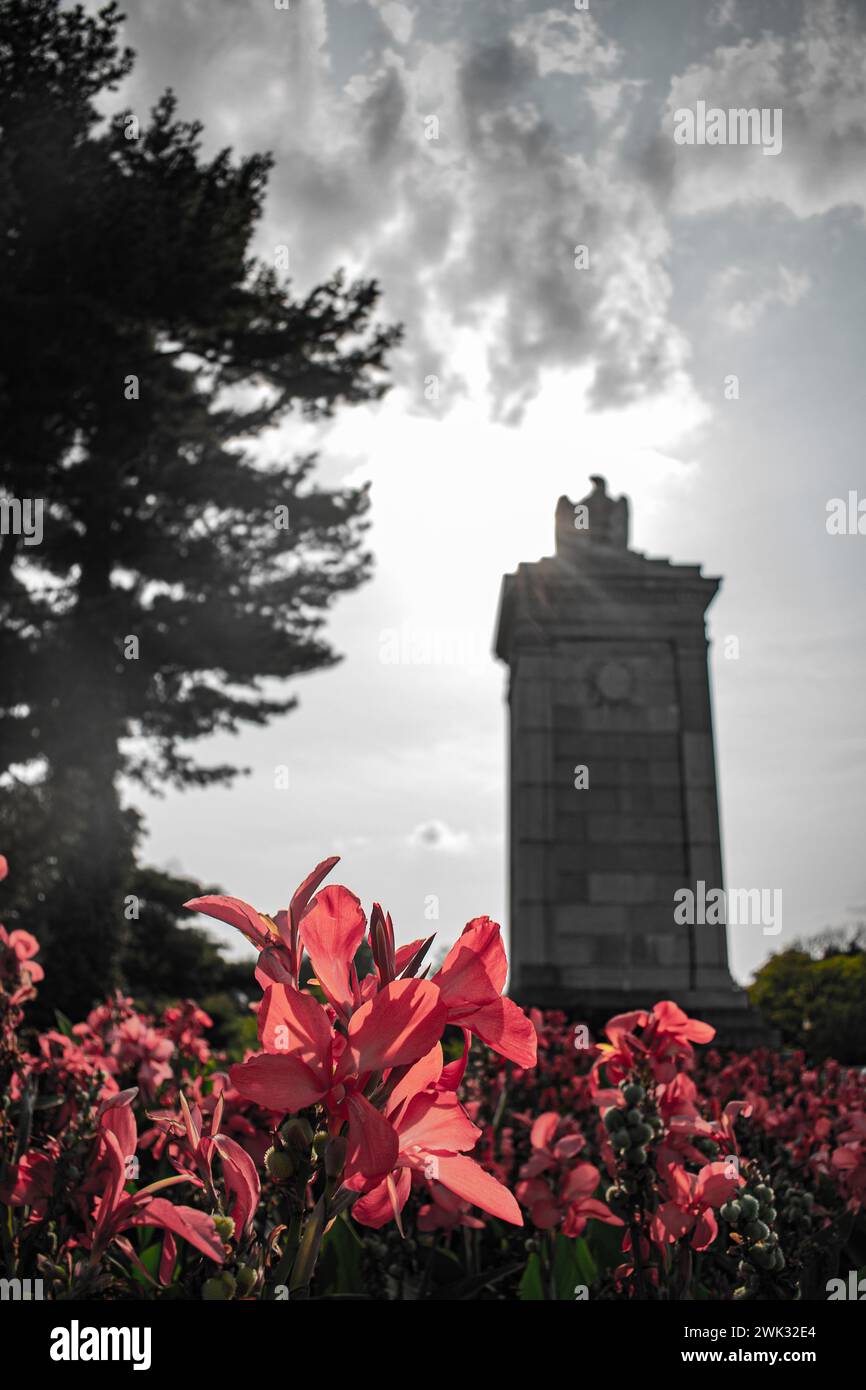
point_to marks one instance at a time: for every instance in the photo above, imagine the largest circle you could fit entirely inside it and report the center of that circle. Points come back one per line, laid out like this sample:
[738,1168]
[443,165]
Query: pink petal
[475,968]
[375,1208]
[399,1025]
[438,1124]
[423,1073]
[465,1177]
[277,1083]
[167,1258]
[236,913]
[241,1179]
[581,1182]
[292,1023]
[544,1129]
[331,931]
[373,1145]
[195,1227]
[505,1028]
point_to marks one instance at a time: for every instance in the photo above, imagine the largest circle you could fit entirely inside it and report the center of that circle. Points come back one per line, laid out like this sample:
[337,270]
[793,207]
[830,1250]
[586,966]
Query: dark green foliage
[818,1005]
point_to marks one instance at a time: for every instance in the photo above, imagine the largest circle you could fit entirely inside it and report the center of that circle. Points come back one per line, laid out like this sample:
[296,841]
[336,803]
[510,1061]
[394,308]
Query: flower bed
[413,1135]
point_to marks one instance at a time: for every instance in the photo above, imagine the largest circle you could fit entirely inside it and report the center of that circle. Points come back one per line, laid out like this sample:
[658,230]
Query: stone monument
[613,800]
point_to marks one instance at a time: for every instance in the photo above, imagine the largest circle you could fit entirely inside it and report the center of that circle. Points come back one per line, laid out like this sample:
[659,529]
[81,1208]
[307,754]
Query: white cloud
[471,233]
[566,42]
[817,77]
[398,18]
[744,296]
[436,835]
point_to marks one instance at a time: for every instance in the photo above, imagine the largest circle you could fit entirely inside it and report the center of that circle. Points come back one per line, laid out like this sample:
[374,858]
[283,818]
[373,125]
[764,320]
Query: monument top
[597,519]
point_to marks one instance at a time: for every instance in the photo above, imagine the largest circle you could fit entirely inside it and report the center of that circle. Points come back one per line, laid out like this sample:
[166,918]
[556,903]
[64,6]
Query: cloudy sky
[459,150]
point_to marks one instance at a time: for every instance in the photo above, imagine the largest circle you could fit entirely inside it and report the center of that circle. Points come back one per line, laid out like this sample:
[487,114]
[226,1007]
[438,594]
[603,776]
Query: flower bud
[633,1093]
[247,1278]
[298,1132]
[279,1164]
[225,1228]
[762,1256]
[218,1289]
[757,1230]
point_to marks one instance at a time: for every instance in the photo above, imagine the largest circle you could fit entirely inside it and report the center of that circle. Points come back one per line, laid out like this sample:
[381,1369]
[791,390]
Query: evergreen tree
[143,352]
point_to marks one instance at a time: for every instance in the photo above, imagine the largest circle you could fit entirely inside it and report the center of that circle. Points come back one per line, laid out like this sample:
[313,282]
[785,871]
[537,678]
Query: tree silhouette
[143,352]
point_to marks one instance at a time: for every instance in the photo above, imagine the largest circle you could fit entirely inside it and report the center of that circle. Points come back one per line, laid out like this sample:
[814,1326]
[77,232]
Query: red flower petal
[464,1176]
[277,1083]
[331,932]
[506,1028]
[373,1145]
[399,1025]
[475,968]
[293,1023]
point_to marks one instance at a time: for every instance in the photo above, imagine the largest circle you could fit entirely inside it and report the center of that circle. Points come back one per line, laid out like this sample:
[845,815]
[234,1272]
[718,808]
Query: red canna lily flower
[115,1210]
[308,1062]
[370,1058]
[434,1133]
[239,1171]
[692,1197]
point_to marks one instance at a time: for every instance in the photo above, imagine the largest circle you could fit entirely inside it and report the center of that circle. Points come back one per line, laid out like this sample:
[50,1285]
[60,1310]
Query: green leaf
[531,1289]
[605,1245]
[150,1259]
[339,1269]
[586,1266]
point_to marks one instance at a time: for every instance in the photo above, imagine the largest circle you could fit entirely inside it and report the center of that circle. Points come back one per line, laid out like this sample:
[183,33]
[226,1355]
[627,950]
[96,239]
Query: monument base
[737,1024]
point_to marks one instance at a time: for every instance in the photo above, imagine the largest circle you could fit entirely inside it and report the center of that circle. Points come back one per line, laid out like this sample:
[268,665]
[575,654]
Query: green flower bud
[633,1118]
[637,1156]
[757,1230]
[633,1093]
[299,1133]
[279,1165]
[218,1289]
[225,1228]
[247,1278]
[620,1140]
[762,1256]
[749,1206]
[764,1193]
[320,1142]
[732,1211]
[613,1119]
